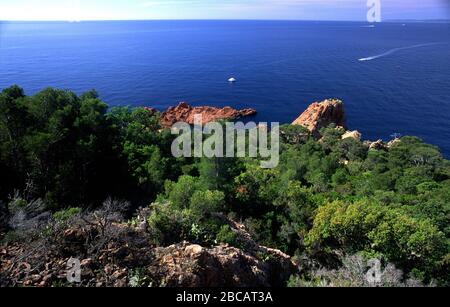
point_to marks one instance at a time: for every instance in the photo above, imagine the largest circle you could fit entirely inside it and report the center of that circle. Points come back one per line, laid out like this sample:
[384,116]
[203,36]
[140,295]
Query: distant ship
[232,80]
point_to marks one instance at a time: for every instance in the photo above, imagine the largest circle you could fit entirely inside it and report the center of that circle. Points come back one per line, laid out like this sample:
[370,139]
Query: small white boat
[232,80]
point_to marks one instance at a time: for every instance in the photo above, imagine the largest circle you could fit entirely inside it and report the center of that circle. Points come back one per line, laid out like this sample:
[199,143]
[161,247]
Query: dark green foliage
[70,151]
[187,210]
[371,227]
[64,215]
[294,135]
[64,150]
[144,149]
[169,225]
[57,146]
[227,235]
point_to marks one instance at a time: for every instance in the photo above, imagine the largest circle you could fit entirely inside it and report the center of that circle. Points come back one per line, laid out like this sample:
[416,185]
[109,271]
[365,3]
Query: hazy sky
[218,9]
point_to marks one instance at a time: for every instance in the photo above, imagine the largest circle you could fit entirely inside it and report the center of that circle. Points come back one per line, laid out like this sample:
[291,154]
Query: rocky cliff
[185,113]
[321,114]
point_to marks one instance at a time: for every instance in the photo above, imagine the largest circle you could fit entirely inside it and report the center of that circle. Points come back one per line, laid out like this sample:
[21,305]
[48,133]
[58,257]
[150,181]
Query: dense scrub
[327,200]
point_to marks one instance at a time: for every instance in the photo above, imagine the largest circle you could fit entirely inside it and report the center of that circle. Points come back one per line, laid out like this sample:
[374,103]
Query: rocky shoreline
[322,114]
[186,113]
[317,116]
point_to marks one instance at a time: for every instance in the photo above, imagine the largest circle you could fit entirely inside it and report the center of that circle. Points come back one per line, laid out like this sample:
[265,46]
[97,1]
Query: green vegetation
[67,214]
[326,198]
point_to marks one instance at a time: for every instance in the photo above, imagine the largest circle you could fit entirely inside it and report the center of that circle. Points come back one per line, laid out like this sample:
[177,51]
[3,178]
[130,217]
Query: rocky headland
[186,113]
[322,114]
[317,116]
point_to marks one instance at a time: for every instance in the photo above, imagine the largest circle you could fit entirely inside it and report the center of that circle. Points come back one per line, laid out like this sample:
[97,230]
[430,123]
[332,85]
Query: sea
[394,77]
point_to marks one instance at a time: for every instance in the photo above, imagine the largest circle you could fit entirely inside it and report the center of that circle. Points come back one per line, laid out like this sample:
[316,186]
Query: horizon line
[218,19]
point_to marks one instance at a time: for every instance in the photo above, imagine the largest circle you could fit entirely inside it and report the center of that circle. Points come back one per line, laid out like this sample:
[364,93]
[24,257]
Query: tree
[370,227]
[57,146]
[205,203]
[179,193]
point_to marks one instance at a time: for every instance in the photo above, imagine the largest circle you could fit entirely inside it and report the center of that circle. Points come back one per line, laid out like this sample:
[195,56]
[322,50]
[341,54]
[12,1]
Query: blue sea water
[394,77]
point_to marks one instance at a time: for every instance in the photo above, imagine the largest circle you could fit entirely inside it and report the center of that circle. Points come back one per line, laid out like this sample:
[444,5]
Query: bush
[67,214]
[205,203]
[227,235]
[366,226]
[179,193]
[355,271]
[168,224]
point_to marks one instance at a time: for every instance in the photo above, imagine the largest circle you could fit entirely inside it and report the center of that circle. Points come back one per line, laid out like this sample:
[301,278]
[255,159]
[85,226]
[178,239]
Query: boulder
[189,265]
[356,135]
[377,145]
[393,142]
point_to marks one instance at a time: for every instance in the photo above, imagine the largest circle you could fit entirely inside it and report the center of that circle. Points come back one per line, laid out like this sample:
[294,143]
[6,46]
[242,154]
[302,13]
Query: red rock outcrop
[321,114]
[188,265]
[185,113]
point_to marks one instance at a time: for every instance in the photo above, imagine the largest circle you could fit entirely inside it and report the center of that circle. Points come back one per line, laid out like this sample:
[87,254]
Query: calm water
[402,86]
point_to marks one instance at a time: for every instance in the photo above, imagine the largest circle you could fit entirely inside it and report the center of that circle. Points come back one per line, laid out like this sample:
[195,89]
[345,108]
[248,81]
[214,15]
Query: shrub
[179,193]
[355,271]
[227,235]
[67,214]
[205,203]
[367,226]
[168,224]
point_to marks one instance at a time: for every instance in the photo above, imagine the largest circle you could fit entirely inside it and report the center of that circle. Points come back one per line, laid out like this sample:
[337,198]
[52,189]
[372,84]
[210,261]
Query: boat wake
[396,50]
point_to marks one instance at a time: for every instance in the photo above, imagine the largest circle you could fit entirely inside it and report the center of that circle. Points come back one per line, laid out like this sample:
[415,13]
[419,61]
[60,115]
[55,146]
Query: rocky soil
[119,255]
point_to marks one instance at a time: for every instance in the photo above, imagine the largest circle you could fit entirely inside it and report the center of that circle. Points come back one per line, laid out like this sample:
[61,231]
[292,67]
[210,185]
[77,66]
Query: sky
[219,9]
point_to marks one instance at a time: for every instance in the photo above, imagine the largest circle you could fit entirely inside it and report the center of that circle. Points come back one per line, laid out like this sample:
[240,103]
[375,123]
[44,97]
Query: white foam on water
[396,50]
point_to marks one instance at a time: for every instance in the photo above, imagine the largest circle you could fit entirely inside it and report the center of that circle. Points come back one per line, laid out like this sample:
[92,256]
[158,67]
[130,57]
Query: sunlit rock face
[321,114]
[185,113]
